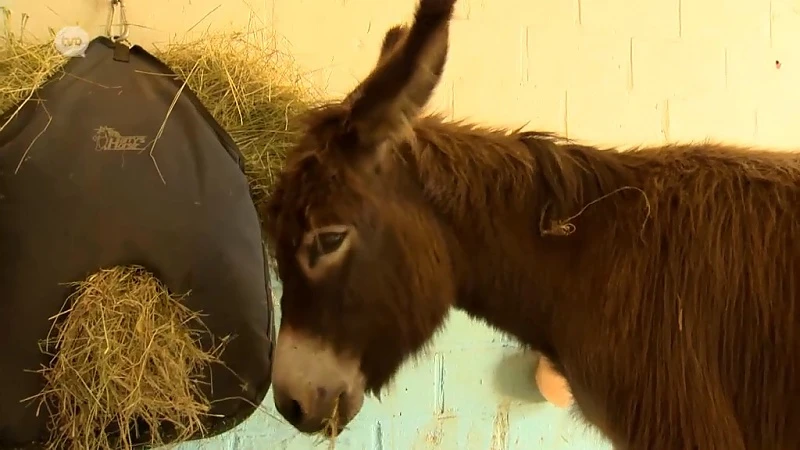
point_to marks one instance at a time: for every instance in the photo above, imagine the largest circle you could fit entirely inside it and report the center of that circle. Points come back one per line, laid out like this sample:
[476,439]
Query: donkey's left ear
[383,107]
[391,41]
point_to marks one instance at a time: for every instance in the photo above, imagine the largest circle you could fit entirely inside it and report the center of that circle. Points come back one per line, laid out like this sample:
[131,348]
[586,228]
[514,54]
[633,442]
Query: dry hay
[121,322]
[248,93]
[24,66]
[126,359]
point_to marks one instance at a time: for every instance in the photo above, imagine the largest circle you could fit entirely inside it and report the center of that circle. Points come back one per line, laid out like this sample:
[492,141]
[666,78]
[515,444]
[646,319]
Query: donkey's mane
[465,166]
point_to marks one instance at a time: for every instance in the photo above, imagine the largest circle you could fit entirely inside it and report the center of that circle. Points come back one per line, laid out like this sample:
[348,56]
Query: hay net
[124,367]
[251,91]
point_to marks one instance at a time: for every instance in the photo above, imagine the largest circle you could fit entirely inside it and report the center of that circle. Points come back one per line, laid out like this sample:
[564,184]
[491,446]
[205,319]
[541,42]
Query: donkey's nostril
[322,392]
[294,412]
[290,409]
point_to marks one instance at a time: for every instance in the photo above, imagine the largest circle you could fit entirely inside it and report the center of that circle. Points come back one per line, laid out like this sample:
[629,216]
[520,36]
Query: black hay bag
[87,193]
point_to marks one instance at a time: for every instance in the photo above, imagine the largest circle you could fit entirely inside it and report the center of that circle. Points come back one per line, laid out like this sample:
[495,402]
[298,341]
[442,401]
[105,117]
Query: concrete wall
[620,72]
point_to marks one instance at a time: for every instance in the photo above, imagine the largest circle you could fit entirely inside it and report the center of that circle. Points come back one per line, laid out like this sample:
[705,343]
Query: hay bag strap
[116,163]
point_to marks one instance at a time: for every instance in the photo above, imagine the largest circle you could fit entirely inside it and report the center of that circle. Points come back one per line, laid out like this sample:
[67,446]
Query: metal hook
[123,21]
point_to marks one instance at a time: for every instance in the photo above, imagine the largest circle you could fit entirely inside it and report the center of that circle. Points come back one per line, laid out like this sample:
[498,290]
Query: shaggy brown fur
[662,282]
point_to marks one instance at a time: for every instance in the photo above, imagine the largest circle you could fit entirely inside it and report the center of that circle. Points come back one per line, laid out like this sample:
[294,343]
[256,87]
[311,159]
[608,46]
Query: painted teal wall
[472,390]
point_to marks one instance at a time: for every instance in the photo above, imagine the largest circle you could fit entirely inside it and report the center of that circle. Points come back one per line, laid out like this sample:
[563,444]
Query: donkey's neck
[497,192]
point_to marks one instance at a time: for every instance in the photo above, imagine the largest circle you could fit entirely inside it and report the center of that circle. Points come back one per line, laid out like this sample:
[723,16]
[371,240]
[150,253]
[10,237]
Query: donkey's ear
[391,41]
[384,105]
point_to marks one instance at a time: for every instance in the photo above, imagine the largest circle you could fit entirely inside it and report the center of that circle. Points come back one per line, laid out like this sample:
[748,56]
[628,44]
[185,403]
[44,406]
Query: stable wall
[611,72]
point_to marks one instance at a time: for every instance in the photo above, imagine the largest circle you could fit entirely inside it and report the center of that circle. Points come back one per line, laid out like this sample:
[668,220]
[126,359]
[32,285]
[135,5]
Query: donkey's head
[366,274]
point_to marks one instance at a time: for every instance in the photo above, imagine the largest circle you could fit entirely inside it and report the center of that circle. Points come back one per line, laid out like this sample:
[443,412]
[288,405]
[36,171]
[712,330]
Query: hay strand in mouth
[127,364]
[331,425]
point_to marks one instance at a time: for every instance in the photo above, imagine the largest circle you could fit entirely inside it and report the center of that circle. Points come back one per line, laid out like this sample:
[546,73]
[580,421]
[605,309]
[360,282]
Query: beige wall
[608,71]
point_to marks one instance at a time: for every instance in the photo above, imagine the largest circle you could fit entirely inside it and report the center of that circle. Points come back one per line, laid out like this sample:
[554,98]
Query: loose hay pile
[24,66]
[124,347]
[248,93]
[128,355]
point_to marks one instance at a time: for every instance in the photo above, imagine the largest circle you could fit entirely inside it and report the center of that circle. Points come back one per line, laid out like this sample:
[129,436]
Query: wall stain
[434,437]
[500,427]
[431,436]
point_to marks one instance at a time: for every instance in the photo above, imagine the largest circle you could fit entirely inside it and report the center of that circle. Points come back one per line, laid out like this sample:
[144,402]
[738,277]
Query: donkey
[663,283]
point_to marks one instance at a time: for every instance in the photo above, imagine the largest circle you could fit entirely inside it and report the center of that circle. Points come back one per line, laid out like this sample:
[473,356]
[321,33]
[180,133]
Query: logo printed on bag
[109,139]
[72,41]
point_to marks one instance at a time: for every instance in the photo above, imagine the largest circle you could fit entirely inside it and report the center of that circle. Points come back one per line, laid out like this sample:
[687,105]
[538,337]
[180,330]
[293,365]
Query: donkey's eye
[329,242]
[323,246]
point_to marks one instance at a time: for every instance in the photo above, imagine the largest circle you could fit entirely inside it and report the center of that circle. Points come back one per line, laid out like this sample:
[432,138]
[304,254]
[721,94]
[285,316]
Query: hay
[253,93]
[331,428]
[24,66]
[127,364]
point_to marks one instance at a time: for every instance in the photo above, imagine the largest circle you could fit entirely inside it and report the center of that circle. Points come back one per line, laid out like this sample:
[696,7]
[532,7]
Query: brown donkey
[663,283]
